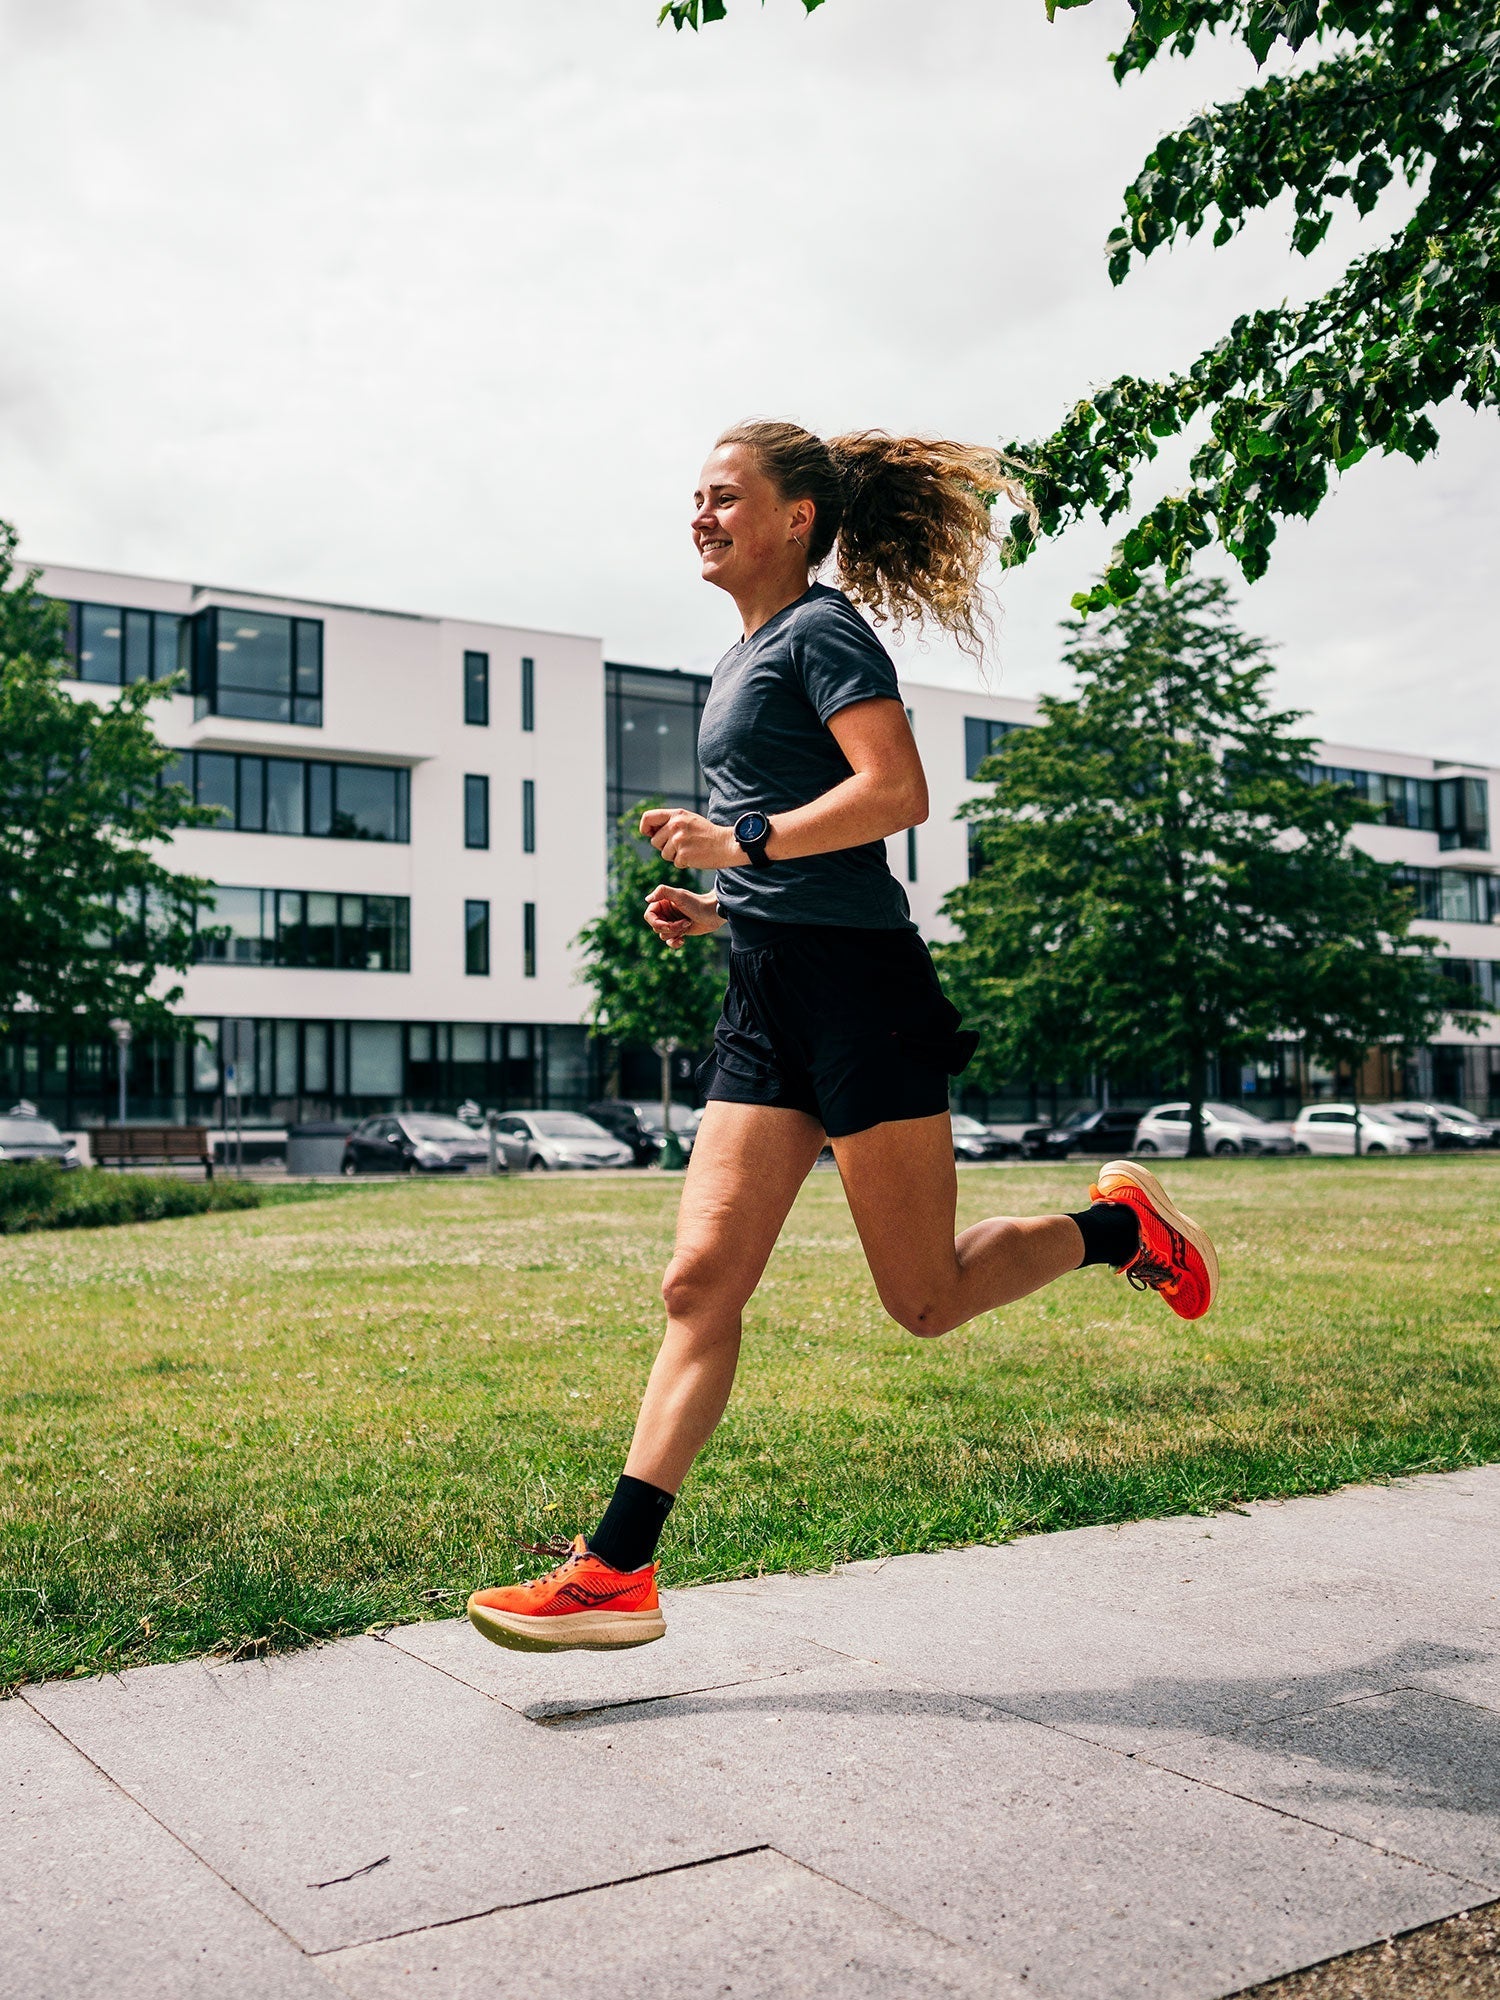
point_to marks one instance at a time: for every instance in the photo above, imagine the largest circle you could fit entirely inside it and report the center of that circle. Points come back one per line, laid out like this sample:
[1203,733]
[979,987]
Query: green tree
[643,990]
[92,922]
[1406,90]
[1159,882]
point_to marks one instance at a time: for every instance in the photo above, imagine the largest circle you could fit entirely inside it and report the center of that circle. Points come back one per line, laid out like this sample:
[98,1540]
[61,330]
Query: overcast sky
[439,305]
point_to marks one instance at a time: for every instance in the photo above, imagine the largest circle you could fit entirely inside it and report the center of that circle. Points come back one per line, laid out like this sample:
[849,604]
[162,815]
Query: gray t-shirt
[764,741]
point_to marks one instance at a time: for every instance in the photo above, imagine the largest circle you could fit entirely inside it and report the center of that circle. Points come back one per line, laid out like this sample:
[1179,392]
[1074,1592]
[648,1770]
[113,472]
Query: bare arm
[884,793]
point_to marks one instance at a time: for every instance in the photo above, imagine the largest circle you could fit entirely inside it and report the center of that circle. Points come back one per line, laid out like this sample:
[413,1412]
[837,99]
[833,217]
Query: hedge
[44,1197]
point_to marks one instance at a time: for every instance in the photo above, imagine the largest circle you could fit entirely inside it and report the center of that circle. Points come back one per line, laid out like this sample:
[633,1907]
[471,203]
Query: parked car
[24,1136]
[1329,1128]
[543,1141]
[638,1125]
[1449,1125]
[413,1142]
[973,1141]
[1103,1132]
[1227,1129]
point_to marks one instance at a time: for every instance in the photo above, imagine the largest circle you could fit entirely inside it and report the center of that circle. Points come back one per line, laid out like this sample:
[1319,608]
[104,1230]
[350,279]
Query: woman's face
[743,530]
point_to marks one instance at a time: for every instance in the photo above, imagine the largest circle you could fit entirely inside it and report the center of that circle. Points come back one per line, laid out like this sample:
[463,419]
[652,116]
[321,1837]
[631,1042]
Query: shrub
[44,1197]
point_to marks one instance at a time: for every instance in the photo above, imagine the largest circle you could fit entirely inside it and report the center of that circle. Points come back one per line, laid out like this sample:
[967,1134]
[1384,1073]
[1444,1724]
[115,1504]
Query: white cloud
[438,306]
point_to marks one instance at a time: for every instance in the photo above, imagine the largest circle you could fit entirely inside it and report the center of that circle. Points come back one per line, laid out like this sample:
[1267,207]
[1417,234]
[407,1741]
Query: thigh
[748,1162]
[902,1188]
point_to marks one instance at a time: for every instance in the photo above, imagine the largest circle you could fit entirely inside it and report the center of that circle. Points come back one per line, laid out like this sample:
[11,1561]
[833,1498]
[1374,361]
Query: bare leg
[903,1195]
[748,1162]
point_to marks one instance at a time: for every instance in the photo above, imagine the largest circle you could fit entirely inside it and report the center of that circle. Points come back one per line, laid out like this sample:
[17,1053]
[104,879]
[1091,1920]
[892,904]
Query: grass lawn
[241,1431]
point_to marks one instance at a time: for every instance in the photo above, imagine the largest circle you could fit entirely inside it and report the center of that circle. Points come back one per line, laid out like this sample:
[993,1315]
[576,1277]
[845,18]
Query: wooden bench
[113,1145]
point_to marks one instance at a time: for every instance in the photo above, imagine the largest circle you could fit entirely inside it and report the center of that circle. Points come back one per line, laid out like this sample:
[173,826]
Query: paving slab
[1415,1773]
[97,1900]
[758,1927]
[710,1642]
[351,1792]
[1072,1867]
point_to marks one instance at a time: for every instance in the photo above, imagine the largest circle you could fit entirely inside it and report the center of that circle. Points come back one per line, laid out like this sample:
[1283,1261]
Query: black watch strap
[752,830]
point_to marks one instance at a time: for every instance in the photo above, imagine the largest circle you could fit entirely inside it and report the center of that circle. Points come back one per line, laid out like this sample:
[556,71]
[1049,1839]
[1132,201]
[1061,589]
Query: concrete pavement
[1174,1758]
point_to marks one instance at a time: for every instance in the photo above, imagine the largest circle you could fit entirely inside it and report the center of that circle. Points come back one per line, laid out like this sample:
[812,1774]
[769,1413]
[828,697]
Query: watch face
[751,826]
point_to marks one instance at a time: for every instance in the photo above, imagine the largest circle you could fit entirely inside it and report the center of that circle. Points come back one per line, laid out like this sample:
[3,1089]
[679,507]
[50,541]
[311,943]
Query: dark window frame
[528,816]
[983,736]
[476,690]
[476,810]
[304,688]
[287,932]
[528,940]
[528,694]
[476,938]
[317,785]
[154,632]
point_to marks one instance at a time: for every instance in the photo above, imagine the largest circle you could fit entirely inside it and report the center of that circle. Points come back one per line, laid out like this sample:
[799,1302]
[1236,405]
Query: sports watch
[752,830]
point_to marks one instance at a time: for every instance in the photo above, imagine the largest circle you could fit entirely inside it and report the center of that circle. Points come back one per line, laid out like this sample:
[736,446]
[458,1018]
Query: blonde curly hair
[910,518]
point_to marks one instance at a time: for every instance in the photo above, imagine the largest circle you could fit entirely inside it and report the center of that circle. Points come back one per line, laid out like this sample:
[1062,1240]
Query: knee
[690,1291]
[919,1312]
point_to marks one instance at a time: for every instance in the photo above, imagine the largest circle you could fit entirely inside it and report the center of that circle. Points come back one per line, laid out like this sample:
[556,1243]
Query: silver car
[24,1136]
[1227,1129]
[539,1142]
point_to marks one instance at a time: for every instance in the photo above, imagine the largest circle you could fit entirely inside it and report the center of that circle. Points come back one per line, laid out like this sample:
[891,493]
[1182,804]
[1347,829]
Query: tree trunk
[671,1146]
[1197,1086]
[1354,1100]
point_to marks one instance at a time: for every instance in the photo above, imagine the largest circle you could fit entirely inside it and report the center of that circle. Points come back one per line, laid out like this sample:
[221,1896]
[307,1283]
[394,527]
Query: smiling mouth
[711,548]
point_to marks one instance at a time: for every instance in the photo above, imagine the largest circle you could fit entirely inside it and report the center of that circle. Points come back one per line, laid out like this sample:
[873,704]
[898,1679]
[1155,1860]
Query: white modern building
[415,820]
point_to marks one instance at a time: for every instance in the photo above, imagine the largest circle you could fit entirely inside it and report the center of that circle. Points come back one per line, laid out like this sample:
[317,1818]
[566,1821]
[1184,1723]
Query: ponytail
[910,518]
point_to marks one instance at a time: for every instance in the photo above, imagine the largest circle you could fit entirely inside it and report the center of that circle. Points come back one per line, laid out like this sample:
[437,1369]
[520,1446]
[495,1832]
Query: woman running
[834,1025]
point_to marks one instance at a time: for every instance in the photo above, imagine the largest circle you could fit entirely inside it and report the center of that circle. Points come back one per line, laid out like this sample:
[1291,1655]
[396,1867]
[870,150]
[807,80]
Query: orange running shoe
[1176,1257]
[582,1603]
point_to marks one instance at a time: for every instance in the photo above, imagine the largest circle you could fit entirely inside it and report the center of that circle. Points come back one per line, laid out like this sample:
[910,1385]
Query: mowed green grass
[243,1431]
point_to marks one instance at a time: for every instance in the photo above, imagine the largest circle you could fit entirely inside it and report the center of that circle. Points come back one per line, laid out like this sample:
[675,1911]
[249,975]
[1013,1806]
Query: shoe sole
[573,1631]
[1167,1209]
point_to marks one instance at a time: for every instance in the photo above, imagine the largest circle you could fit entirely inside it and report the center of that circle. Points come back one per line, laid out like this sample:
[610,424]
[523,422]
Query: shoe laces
[559,1553]
[1147,1274]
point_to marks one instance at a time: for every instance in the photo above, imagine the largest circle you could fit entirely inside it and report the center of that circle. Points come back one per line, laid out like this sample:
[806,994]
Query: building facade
[415,821]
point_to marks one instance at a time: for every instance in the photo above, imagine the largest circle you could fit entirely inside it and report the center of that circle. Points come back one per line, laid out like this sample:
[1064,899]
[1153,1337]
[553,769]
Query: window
[258,665]
[528,816]
[115,645]
[983,736]
[477,939]
[528,940]
[477,690]
[476,812]
[528,695]
[1409,802]
[294,795]
[651,721]
[297,927]
[1452,895]
[1463,814]
[1477,978]
[911,854]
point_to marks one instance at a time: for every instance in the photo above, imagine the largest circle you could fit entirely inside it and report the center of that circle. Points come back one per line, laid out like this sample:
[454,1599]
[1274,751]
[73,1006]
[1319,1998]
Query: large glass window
[477,689]
[1453,895]
[293,795]
[983,736]
[307,928]
[477,939]
[476,811]
[1463,812]
[259,665]
[115,645]
[651,730]
[1409,802]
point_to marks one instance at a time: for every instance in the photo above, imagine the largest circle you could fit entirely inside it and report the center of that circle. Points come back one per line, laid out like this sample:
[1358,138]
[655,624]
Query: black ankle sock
[627,1536]
[1110,1232]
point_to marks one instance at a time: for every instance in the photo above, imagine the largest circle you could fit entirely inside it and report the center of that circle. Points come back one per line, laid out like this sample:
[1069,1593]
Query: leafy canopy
[1157,879]
[642,990]
[92,921]
[1290,395]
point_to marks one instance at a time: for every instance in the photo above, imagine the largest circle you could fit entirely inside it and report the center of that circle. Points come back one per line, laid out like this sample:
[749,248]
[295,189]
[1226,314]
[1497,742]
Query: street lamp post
[123,1033]
[671,1145]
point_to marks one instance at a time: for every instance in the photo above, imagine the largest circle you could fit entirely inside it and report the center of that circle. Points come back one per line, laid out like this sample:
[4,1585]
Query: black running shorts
[850,1026]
